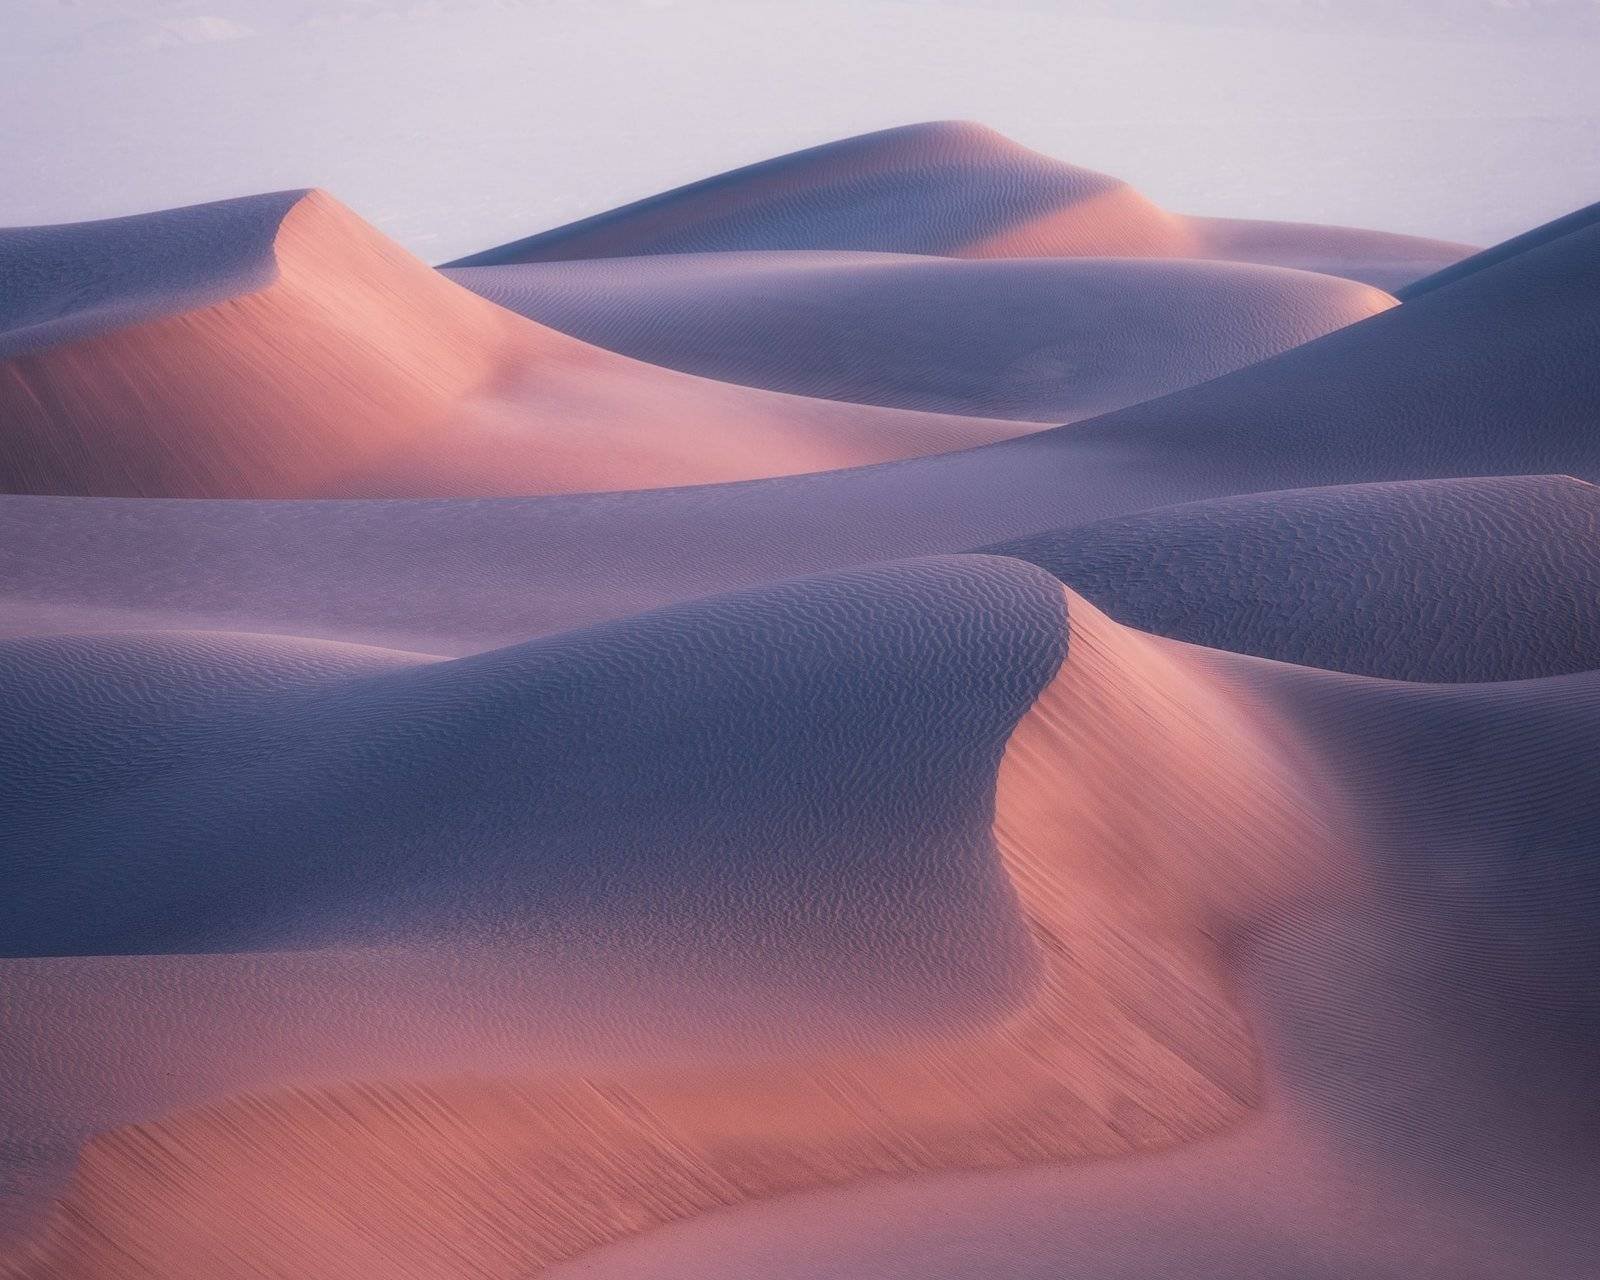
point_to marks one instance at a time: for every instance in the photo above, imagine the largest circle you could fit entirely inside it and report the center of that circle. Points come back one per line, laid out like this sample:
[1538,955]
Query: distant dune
[279,347]
[959,190]
[1050,340]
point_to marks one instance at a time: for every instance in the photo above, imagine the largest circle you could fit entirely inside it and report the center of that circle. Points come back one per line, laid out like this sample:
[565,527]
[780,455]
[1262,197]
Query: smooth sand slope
[955,190]
[1428,1027]
[1489,376]
[1347,577]
[1050,340]
[278,346]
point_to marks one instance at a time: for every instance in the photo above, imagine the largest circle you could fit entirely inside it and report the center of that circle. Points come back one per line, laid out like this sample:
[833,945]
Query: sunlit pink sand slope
[307,356]
[1156,845]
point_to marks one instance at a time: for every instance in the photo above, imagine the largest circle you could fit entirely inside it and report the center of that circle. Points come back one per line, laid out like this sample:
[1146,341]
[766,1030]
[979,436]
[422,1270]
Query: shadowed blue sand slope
[805,768]
[1565,225]
[1038,339]
[1438,580]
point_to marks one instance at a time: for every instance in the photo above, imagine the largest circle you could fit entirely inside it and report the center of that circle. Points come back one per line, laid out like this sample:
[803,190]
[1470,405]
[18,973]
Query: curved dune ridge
[68,282]
[1428,1027]
[959,190]
[815,876]
[1116,1032]
[1489,376]
[295,352]
[1031,339]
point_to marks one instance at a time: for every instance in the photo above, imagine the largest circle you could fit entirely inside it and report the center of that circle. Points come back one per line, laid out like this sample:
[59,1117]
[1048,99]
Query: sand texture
[900,712]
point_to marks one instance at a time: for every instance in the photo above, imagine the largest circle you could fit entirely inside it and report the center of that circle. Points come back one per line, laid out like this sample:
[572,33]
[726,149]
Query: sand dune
[959,190]
[1310,850]
[1036,340]
[317,353]
[277,346]
[1427,1029]
[1489,376]
[1440,972]
[1428,580]
[408,881]
[1079,1044]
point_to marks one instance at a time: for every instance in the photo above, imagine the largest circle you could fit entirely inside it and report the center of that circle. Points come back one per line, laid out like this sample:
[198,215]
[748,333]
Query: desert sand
[1140,825]
[1488,377]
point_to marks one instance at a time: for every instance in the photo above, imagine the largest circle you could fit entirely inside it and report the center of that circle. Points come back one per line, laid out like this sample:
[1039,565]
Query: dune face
[955,190]
[1444,973]
[297,353]
[297,769]
[1039,340]
[320,352]
[423,862]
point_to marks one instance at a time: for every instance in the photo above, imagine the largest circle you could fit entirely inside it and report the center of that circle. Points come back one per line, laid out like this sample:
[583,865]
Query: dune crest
[954,189]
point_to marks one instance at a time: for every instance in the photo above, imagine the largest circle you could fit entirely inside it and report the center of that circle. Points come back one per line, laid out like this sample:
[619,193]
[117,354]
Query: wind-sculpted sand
[1156,844]
[1112,1029]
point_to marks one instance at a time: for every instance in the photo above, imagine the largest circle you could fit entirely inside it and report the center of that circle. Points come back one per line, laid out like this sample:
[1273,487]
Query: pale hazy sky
[455,124]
